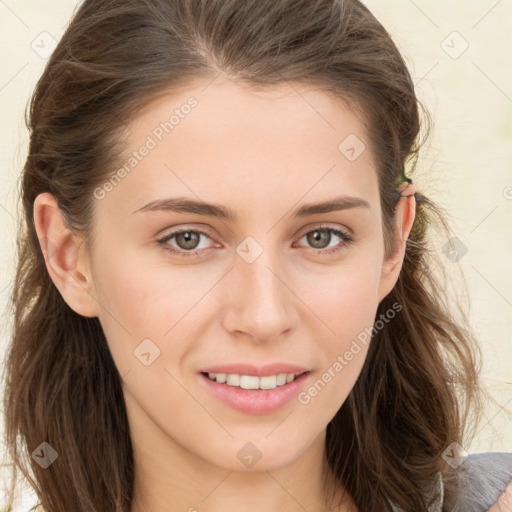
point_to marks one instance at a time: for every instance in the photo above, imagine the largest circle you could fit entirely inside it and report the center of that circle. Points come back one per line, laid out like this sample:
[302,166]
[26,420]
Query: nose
[261,302]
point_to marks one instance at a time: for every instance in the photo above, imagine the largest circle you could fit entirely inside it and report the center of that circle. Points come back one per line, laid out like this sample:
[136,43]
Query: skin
[261,153]
[504,503]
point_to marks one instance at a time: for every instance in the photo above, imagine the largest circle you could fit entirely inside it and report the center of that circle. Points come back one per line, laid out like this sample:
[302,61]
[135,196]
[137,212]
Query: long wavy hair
[419,390]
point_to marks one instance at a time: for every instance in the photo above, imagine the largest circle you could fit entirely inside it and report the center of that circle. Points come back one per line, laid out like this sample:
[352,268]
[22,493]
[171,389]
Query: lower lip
[256,401]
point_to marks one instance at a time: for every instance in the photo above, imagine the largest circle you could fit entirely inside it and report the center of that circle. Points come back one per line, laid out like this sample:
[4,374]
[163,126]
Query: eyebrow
[184,205]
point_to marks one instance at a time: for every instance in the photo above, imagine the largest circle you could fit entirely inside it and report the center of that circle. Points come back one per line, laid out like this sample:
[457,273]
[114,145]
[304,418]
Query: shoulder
[486,481]
[504,503]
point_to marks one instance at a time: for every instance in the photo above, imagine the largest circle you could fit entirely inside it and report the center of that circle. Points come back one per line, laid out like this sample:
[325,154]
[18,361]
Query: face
[274,285]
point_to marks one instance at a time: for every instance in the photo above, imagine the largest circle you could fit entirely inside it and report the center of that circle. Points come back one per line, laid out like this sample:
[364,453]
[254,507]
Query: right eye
[186,238]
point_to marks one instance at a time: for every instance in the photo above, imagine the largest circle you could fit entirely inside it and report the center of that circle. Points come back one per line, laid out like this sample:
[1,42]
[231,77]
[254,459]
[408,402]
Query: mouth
[256,395]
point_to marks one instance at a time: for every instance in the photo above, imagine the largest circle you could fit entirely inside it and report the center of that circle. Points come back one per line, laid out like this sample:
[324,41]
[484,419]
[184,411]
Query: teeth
[251,381]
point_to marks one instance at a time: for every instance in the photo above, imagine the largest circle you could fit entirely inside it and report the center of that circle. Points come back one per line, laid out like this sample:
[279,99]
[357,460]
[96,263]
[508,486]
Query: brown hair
[419,383]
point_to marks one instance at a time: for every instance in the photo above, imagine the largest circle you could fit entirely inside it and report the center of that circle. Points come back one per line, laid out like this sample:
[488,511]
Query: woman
[225,297]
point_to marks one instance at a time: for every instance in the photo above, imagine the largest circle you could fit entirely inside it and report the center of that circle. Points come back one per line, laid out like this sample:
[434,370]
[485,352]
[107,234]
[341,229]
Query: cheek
[130,294]
[347,307]
[346,303]
[142,301]
[346,299]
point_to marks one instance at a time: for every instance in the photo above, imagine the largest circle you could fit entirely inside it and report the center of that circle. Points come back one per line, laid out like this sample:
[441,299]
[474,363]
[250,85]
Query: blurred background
[459,56]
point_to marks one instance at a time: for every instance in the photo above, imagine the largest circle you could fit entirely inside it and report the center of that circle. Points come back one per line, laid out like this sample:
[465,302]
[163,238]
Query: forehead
[235,144]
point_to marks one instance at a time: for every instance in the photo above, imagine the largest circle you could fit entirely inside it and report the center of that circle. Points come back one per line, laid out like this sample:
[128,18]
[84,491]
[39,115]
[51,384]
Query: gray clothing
[485,476]
[488,474]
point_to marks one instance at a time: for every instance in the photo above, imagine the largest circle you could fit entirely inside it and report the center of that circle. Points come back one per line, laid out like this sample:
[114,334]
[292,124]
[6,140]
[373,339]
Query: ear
[405,214]
[66,262]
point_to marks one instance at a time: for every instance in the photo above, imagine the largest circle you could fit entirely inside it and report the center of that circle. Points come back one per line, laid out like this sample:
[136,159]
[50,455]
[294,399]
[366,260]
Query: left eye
[322,234]
[187,240]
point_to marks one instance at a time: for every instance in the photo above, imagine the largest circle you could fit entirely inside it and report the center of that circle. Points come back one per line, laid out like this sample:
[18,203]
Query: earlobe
[62,253]
[405,214]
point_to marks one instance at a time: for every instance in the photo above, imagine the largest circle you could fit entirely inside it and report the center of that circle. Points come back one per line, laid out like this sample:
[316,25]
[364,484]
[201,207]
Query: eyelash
[347,240]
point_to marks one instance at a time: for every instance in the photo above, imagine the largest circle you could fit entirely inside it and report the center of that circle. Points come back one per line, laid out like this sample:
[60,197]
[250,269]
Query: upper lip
[258,371]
